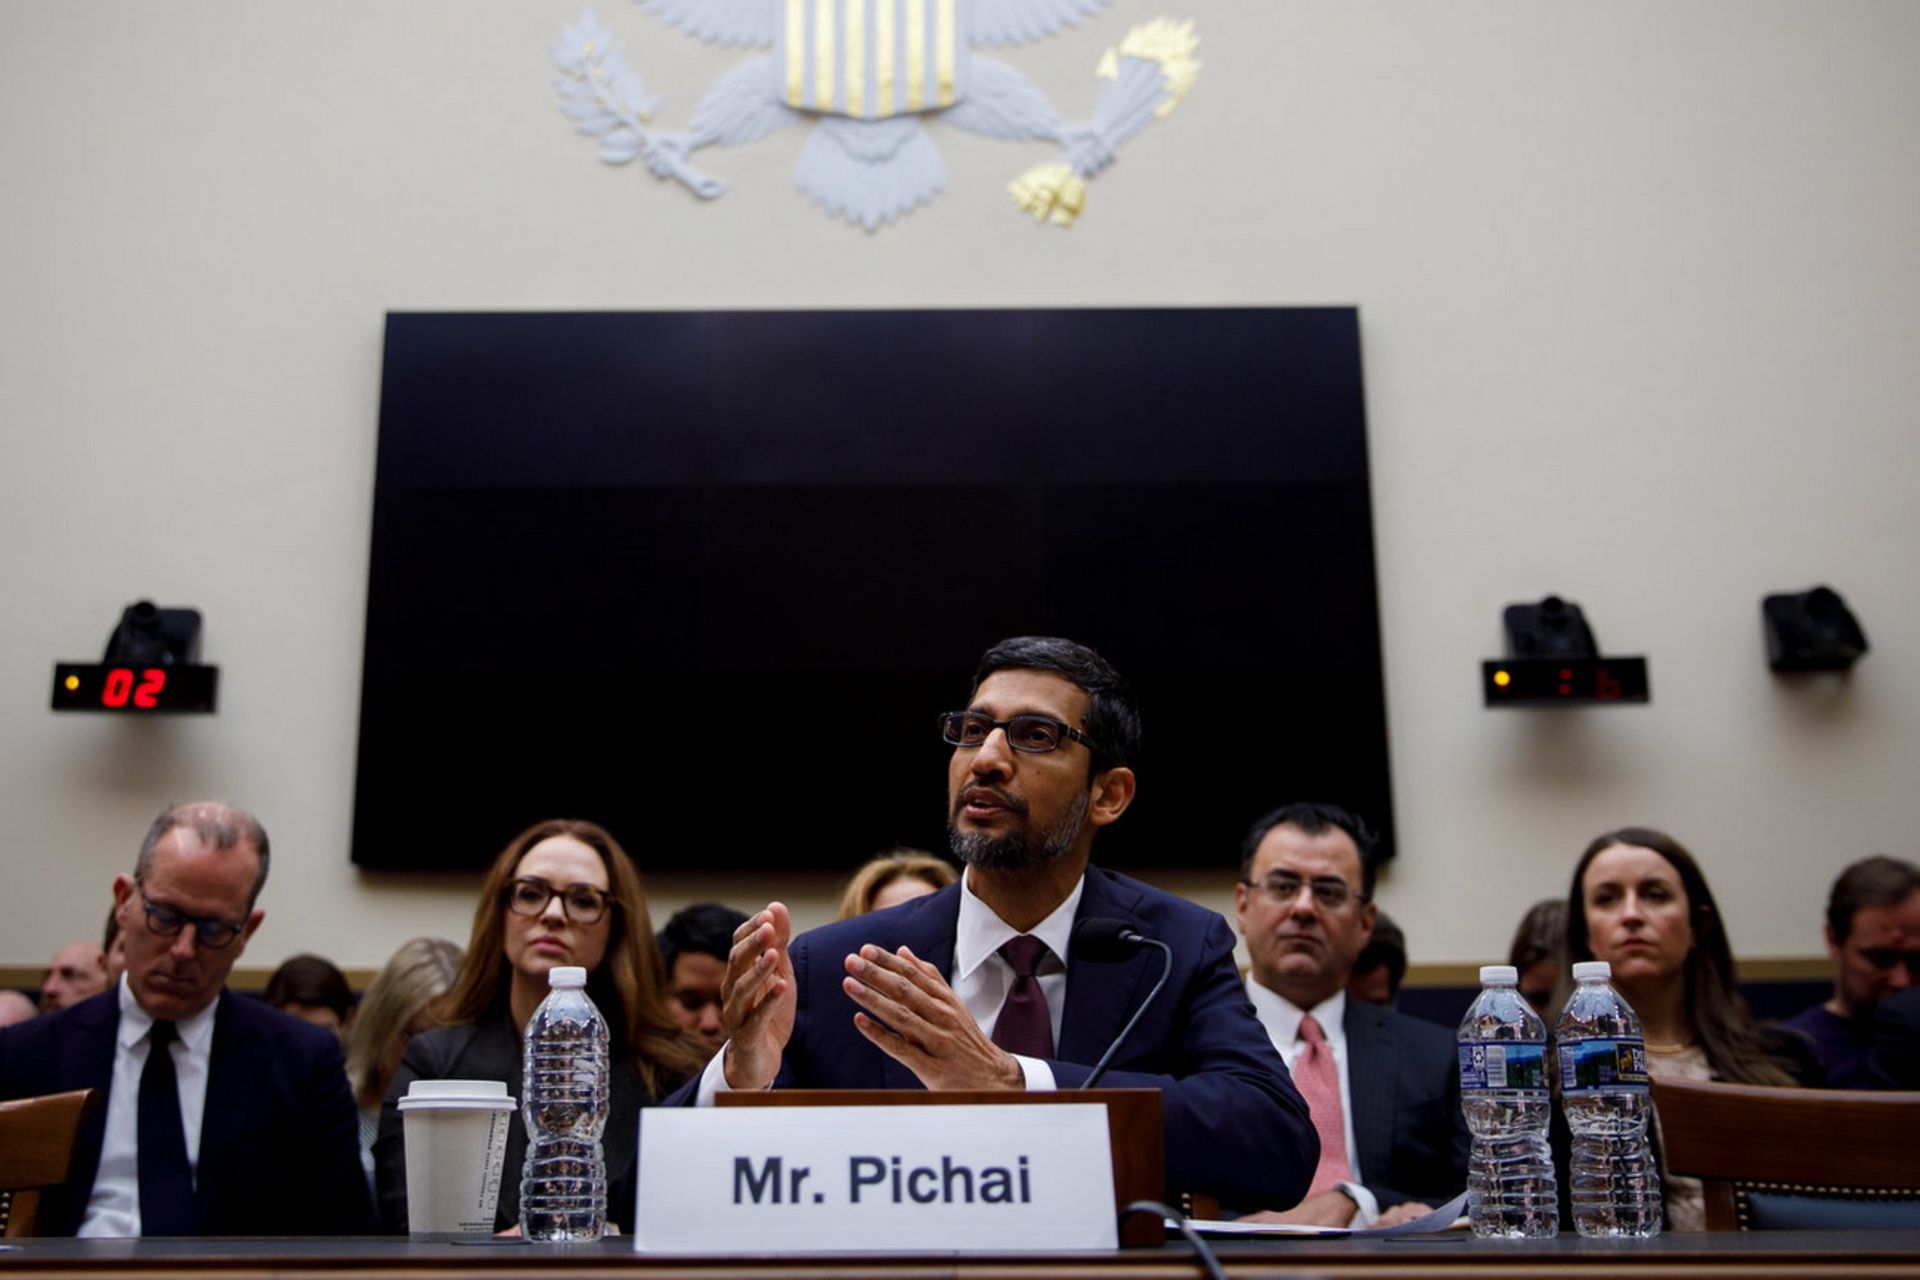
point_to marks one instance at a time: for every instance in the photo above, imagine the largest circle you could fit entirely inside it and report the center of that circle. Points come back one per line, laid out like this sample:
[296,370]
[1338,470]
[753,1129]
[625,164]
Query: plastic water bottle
[563,1185]
[1615,1183]
[1508,1099]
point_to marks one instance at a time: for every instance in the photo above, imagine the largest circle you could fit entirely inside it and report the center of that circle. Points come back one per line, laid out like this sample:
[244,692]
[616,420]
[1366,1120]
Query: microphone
[1103,940]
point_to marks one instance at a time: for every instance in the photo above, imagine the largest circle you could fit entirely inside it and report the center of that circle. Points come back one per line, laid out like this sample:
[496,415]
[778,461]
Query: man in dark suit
[219,1116]
[1384,1088]
[975,986]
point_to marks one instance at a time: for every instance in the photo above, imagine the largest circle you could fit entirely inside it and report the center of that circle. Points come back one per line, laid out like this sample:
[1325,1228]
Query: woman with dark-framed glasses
[562,892]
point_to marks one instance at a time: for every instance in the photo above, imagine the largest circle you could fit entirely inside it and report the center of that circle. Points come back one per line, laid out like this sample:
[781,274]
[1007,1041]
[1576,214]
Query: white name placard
[874,1179]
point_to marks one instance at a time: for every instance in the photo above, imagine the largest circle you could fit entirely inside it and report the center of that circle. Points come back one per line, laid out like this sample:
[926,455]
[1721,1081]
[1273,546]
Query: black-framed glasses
[208,931]
[1029,733]
[1330,893]
[582,903]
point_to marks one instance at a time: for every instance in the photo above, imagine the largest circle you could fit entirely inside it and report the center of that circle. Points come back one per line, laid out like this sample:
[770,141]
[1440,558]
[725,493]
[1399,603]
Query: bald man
[77,970]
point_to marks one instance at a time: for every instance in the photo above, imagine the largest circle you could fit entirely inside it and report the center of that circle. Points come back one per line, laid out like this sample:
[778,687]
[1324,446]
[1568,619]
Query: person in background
[898,876]
[1384,1088]
[314,990]
[220,1116]
[1873,940]
[1381,966]
[16,1007]
[1538,945]
[399,1004]
[1895,1055]
[77,971]
[115,944]
[562,892]
[693,952]
[1640,902]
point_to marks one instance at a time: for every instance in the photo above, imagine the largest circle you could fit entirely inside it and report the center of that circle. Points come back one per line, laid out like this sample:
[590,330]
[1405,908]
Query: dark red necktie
[1025,1025]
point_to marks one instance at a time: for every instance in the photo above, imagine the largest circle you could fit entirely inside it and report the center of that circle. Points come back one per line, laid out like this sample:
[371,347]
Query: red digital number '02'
[120,688]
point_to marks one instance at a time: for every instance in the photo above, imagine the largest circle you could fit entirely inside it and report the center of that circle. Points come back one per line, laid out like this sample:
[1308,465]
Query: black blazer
[279,1142]
[1408,1129]
[492,1051]
[1235,1126]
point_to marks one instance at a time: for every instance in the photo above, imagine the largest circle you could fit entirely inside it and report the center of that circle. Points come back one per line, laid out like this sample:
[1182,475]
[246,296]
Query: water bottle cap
[566,975]
[1588,970]
[1499,975]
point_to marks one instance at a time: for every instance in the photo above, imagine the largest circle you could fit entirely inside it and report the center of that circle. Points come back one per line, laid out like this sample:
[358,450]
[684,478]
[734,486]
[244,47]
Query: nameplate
[874,1179]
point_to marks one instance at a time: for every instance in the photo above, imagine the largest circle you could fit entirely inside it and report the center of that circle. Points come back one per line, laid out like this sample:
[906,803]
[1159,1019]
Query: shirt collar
[1283,1016]
[196,1032]
[980,932]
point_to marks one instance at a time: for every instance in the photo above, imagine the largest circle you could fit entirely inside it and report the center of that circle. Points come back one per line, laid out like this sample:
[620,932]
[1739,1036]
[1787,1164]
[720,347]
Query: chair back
[36,1153]
[1777,1158]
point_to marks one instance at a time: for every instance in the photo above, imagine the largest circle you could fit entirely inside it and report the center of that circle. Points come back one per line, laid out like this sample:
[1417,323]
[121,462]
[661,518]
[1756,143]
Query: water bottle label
[1587,1066]
[1517,1065]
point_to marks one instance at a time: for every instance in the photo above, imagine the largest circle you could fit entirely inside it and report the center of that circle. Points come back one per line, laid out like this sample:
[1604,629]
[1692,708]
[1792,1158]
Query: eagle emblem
[871,74]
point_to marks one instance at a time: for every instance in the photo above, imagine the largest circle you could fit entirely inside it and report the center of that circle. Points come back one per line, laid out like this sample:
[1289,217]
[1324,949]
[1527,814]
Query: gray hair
[218,825]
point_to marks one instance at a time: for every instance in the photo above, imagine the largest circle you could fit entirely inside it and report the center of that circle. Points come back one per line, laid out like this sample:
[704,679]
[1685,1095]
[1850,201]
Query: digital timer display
[1559,682]
[134,688]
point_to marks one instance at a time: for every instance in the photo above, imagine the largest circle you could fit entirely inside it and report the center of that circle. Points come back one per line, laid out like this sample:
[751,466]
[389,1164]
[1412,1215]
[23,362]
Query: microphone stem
[1166,971]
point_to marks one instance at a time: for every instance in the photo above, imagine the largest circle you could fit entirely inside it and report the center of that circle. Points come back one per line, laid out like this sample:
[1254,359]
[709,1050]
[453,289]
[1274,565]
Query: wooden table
[1731,1255]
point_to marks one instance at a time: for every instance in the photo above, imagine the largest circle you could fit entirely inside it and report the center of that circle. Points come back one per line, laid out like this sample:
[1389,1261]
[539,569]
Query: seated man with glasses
[976,986]
[1384,1088]
[220,1116]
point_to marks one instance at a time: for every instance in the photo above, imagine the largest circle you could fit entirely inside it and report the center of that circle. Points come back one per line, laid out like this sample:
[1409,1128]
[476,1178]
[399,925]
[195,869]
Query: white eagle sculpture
[871,72]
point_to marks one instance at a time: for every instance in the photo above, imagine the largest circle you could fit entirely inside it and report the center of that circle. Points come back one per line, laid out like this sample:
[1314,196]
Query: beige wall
[1640,299]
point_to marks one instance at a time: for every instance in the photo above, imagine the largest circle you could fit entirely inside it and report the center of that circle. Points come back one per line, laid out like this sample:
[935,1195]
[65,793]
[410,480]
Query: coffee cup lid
[464,1095]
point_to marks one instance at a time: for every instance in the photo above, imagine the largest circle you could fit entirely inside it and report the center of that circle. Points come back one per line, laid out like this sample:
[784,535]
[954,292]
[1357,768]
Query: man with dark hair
[220,1116]
[1873,939]
[1384,1088]
[975,986]
[693,951]
[1381,966]
[313,989]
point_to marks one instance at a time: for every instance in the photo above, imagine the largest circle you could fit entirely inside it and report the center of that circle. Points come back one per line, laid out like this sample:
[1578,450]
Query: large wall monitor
[707,578]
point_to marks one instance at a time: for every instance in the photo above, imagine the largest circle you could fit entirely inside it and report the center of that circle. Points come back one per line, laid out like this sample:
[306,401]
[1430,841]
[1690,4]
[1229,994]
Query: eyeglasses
[1032,734]
[1329,893]
[582,903]
[1884,958]
[207,931]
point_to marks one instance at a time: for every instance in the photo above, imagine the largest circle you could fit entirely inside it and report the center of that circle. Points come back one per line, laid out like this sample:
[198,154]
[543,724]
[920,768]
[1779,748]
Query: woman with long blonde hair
[563,892]
[399,1004]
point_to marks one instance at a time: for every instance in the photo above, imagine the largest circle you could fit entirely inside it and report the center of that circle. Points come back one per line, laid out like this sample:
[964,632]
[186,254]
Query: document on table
[1448,1217]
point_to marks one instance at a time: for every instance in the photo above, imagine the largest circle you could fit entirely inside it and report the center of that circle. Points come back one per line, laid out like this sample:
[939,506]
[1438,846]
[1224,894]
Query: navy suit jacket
[1409,1133]
[1235,1126]
[279,1141]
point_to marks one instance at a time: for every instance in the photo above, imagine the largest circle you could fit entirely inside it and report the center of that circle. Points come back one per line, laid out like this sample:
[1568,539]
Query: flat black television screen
[707,578]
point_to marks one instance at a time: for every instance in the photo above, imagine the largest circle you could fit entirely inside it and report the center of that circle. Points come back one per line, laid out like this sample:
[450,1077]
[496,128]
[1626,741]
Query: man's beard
[1014,851]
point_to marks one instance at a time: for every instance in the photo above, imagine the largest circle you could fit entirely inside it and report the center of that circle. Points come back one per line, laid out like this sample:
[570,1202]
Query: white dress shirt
[1281,1017]
[981,976]
[114,1207]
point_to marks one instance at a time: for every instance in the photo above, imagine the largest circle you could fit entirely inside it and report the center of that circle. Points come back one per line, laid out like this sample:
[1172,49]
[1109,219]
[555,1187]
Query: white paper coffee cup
[456,1142]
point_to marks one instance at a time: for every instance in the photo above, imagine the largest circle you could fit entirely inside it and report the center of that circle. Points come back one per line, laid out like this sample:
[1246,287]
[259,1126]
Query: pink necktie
[1318,1078]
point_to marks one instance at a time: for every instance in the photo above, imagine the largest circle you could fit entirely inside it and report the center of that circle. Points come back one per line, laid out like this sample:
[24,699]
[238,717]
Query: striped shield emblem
[872,58]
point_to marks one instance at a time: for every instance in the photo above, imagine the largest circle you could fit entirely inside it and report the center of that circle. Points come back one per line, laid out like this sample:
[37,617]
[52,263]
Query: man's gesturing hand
[757,998]
[912,1014]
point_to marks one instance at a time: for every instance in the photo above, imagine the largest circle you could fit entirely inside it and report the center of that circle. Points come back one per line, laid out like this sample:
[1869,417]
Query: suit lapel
[1100,997]
[89,1064]
[234,1074]
[1372,1067]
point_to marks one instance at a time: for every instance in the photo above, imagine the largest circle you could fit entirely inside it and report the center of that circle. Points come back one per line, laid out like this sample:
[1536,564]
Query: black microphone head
[1105,940]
